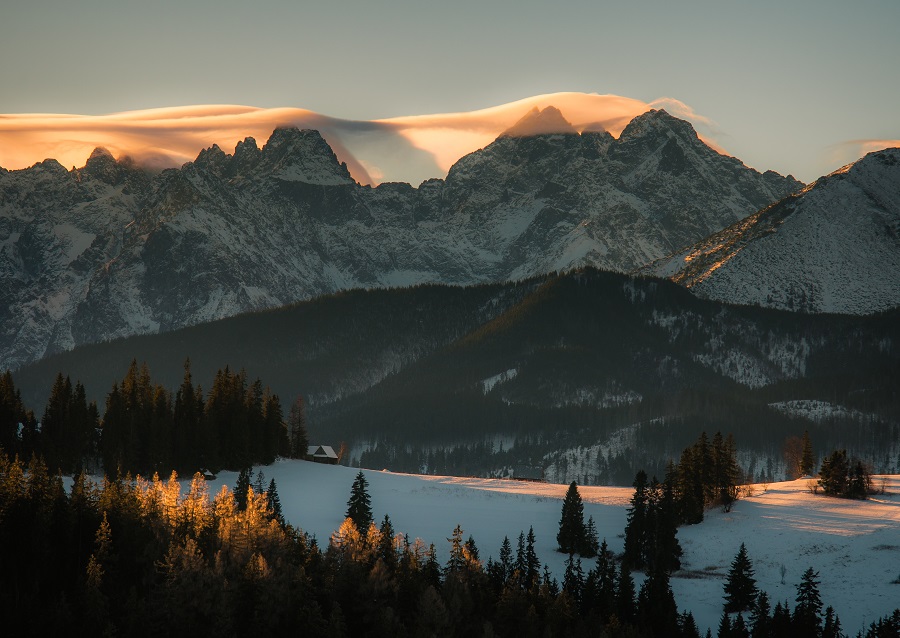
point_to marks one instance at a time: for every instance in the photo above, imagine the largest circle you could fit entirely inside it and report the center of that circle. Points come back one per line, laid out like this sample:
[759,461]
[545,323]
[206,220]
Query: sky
[800,87]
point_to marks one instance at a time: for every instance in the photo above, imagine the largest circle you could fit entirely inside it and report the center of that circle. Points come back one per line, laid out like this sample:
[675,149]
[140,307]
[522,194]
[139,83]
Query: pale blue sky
[787,83]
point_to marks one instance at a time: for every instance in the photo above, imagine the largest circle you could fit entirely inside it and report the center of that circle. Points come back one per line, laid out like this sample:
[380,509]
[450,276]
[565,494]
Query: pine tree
[625,605]
[807,620]
[807,460]
[241,487]
[274,502]
[505,565]
[573,581]
[636,529]
[359,507]
[297,429]
[832,627]
[760,621]
[740,586]
[571,536]
[532,562]
[724,626]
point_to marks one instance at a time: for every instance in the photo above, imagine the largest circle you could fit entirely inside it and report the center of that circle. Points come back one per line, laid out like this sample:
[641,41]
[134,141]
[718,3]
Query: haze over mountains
[111,250]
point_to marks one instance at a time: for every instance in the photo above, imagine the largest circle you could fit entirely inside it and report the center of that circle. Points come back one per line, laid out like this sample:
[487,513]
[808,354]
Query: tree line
[144,558]
[146,428]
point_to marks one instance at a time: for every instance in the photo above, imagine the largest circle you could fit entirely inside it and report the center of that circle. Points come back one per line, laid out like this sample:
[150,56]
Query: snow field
[854,545]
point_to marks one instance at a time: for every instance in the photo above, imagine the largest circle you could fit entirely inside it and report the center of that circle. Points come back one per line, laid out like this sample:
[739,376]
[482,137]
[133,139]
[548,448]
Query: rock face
[833,247]
[110,250]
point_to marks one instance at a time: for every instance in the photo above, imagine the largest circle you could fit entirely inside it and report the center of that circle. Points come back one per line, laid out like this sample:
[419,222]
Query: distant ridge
[833,247]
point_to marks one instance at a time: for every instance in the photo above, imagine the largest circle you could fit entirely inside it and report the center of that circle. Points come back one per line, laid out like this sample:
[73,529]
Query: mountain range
[112,250]
[832,247]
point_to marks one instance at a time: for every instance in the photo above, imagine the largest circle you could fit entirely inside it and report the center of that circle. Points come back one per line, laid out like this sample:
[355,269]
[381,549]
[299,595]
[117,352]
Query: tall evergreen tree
[359,507]
[636,528]
[625,604]
[807,460]
[740,586]
[242,487]
[571,536]
[760,620]
[274,502]
[297,429]
[807,620]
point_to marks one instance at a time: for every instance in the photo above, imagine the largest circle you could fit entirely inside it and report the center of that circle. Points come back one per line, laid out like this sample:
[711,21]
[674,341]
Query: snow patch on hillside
[488,384]
[815,410]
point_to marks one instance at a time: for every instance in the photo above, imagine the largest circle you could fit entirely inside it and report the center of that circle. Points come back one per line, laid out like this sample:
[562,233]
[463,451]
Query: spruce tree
[740,586]
[297,429]
[625,604]
[241,487]
[274,502]
[359,507]
[532,562]
[571,536]
[636,529]
[807,620]
[760,621]
[807,460]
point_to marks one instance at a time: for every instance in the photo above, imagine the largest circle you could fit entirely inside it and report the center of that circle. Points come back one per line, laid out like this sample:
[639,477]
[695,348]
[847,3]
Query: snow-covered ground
[854,545]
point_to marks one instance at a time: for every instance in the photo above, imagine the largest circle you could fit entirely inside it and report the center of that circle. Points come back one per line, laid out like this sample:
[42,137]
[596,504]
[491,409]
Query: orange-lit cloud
[409,148]
[851,150]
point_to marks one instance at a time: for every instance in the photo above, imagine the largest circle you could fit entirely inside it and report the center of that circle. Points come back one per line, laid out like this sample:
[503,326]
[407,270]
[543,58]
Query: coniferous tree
[740,586]
[625,604]
[807,459]
[505,564]
[636,527]
[571,537]
[605,570]
[832,626]
[190,446]
[12,413]
[242,487]
[297,429]
[760,621]
[274,502]
[532,562]
[807,619]
[724,626]
[359,507]
[656,605]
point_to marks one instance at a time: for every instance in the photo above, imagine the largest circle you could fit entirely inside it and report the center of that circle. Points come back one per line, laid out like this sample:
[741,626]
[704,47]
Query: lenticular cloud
[410,148]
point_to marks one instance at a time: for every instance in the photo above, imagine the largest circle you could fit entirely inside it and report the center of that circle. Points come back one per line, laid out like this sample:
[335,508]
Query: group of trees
[806,620]
[707,474]
[651,541]
[147,558]
[145,428]
[839,476]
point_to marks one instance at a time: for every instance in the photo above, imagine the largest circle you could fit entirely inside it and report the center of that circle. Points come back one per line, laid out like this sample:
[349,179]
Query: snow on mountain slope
[854,545]
[834,247]
[260,228]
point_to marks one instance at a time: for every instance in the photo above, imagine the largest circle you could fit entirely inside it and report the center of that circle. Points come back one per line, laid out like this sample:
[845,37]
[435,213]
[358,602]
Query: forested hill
[571,359]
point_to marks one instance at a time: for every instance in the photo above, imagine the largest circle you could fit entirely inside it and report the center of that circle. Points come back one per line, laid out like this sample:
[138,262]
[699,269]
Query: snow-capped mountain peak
[833,247]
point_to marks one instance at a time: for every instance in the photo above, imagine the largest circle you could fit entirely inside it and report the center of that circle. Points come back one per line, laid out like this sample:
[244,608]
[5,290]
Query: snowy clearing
[854,545]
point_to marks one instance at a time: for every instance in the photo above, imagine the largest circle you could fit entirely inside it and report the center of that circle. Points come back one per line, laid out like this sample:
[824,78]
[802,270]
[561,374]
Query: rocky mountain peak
[292,154]
[102,166]
[246,156]
[548,121]
[656,122]
[213,159]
